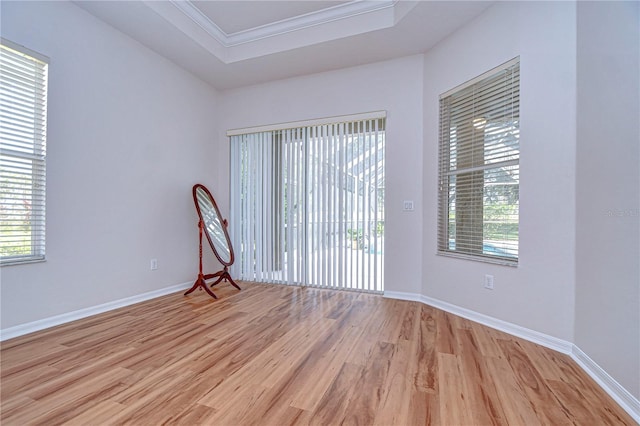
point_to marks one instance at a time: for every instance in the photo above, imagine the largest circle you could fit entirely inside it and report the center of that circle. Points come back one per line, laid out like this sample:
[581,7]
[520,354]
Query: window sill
[477,258]
[16,262]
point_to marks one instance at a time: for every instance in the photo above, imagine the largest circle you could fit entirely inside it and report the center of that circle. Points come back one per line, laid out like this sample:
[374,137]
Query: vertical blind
[23,110]
[479,173]
[308,204]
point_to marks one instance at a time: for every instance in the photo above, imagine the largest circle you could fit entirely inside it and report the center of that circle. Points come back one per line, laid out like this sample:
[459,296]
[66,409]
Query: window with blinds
[479,174]
[308,203]
[23,126]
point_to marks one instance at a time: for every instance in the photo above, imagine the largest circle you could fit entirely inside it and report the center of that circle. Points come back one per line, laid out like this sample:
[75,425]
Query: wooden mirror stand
[215,228]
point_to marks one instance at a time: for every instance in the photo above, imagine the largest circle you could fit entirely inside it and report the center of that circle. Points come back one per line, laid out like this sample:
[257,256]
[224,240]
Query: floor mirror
[214,227]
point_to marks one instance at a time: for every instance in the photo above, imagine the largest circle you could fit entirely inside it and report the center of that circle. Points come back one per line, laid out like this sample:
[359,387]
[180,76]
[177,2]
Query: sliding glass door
[308,205]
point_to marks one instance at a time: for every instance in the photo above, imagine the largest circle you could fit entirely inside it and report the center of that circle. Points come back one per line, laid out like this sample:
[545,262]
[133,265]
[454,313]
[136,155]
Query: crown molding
[301,22]
[200,19]
[343,20]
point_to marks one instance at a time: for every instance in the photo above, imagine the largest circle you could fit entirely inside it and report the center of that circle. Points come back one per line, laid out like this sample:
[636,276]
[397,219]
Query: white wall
[129,133]
[394,86]
[608,189]
[539,293]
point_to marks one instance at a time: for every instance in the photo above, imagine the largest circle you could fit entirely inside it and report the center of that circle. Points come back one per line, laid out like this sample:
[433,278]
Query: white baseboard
[622,396]
[413,297]
[22,329]
[513,329]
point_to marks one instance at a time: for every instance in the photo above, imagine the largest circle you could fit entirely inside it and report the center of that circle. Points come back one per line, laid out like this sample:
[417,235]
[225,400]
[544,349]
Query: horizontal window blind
[479,173]
[23,126]
[308,205]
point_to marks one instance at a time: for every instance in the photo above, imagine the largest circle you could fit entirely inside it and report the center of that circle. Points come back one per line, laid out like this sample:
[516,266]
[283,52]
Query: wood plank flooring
[278,355]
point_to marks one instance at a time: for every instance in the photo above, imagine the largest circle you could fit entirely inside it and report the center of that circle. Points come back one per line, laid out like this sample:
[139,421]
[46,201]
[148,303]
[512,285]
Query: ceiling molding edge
[200,19]
[320,17]
[296,23]
[355,17]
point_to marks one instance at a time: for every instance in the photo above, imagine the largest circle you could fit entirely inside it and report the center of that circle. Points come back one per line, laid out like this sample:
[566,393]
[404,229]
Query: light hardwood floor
[277,355]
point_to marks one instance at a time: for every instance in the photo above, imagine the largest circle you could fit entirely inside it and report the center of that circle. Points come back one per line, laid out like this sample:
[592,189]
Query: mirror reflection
[214,226]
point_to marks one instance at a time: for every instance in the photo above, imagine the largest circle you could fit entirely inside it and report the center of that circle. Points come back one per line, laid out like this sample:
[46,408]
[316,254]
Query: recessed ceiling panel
[236,16]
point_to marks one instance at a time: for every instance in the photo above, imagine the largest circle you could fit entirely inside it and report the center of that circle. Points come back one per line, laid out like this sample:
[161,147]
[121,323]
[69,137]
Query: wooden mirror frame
[204,218]
[204,227]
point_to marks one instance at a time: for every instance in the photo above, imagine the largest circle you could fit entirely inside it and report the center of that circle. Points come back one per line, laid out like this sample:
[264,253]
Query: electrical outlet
[407,206]
[488,282]
[154,264]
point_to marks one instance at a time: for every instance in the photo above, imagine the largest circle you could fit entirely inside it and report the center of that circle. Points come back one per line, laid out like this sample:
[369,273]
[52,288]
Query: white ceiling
[230,44]
[236,16]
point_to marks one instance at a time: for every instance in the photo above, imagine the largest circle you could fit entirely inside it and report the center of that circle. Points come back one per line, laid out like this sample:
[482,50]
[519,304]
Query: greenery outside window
[23,128]
[479,172]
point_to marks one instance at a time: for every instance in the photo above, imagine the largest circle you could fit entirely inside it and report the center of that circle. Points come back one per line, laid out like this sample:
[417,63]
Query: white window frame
[479,168]
[23,129]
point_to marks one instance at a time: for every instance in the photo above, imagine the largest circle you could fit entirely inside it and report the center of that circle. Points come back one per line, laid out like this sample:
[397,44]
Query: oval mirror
[215,228]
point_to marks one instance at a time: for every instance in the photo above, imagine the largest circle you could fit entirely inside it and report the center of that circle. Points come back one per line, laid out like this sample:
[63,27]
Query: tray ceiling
[231,44]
